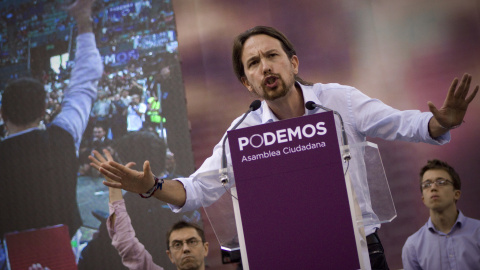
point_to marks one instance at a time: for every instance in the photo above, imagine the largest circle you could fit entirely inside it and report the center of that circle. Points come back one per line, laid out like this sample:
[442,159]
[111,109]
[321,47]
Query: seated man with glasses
[449,240]
[186,244]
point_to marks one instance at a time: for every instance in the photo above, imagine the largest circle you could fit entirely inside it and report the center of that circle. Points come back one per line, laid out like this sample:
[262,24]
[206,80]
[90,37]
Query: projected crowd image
[139,112]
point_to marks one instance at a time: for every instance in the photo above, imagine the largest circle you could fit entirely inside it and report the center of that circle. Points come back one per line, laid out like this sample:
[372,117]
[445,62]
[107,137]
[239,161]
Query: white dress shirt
[362,116]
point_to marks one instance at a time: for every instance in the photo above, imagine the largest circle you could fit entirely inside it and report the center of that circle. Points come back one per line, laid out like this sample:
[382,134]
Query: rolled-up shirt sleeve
[133,253]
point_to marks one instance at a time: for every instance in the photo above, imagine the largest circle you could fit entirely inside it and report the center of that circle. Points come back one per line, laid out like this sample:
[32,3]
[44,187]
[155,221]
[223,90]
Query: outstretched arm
[453,110]
[88,69]
[119,226]
[125,178]
[81,11]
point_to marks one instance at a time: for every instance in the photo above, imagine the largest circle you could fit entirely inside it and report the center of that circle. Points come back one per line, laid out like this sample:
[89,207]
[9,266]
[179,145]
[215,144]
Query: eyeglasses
[439,182]
[192,242]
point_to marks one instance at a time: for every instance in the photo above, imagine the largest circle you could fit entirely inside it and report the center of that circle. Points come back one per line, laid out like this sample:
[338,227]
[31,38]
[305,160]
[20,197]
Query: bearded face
[269,72]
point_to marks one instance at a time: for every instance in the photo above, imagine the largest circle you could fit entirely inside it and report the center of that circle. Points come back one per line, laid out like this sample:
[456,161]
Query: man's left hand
[454,107]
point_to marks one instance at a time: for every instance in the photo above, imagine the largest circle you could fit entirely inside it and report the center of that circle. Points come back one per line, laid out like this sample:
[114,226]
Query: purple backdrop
[404,53]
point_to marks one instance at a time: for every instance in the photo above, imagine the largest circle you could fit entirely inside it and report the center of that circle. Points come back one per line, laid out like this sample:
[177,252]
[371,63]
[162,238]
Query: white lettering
[243,141]
[294,133]
[281,136]
[299,148]
[261,156]
[312,131]
[251,140]
[110,59]
[269,138]
[321,129]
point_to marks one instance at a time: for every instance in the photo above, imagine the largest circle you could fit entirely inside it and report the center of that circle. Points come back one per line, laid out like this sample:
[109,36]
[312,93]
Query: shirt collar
[21,132]
[459,223]
[308,95]
[460,219]
[267,115]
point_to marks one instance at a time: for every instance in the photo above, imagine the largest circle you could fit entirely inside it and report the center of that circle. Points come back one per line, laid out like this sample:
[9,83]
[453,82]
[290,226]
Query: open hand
[98,159]
[455,106]
[120,176]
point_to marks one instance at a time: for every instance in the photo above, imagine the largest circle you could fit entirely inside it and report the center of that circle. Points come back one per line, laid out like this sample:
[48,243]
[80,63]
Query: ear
[170,256]
[423,199]
[247,84]
[295,63]
[205,246]
[457,194]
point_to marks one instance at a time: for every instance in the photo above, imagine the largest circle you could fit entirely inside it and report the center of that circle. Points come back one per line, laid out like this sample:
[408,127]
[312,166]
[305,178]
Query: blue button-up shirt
[459,249]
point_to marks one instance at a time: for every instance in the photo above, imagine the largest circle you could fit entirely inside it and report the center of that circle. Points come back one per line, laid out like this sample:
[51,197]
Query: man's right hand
[123,177]
[97,159]
[81,11]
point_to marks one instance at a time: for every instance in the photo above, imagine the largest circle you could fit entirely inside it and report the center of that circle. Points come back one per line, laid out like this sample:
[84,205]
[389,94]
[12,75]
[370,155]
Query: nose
[185,248]
[266,66]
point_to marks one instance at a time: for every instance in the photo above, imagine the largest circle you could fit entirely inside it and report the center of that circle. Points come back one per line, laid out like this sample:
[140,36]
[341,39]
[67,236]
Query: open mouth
[271,81]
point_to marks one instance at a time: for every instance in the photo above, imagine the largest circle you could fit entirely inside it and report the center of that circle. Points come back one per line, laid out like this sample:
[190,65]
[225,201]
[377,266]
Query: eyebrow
[423,181]
[176,240]
[251,59]
[256,56]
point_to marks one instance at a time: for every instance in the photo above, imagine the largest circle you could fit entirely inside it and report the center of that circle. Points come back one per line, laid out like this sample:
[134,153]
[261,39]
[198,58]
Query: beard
[279,91]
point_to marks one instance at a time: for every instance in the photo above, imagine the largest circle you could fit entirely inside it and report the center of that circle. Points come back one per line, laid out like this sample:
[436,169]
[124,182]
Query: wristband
[157,186]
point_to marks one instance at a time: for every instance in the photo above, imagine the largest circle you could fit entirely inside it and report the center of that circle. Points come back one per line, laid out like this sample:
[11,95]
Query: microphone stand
[224,175]
[310,105]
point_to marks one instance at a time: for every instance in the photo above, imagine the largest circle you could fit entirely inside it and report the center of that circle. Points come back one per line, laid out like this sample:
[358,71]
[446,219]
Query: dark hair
[23,101]
[139,146]
[181,225]
[438,164]
[240,40]
[101,125]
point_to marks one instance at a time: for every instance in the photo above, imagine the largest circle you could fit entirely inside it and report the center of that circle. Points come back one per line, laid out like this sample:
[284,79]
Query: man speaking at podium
[265,62]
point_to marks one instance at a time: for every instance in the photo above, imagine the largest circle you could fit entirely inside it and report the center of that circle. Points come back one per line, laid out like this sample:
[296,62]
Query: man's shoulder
[471,222]
[51,131]
[329,88]
[419,235]
[56,129]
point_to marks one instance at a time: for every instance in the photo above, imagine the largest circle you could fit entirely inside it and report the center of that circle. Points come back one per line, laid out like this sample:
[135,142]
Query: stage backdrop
[138,44]
[403,52]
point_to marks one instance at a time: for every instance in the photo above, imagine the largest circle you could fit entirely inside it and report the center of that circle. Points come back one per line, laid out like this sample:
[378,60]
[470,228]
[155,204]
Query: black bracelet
[157,186]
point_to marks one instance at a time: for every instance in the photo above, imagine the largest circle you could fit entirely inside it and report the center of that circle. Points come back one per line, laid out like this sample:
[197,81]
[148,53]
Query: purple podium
[289,203]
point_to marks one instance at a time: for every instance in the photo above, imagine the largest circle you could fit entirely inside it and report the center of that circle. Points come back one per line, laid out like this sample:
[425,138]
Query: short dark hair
[240,40]
[139,146]
[181,225]
[99,124]
[23,101]
[435,164]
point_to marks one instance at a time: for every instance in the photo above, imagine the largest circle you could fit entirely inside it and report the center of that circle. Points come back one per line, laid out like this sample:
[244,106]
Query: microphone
[253,107]
[310,105]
